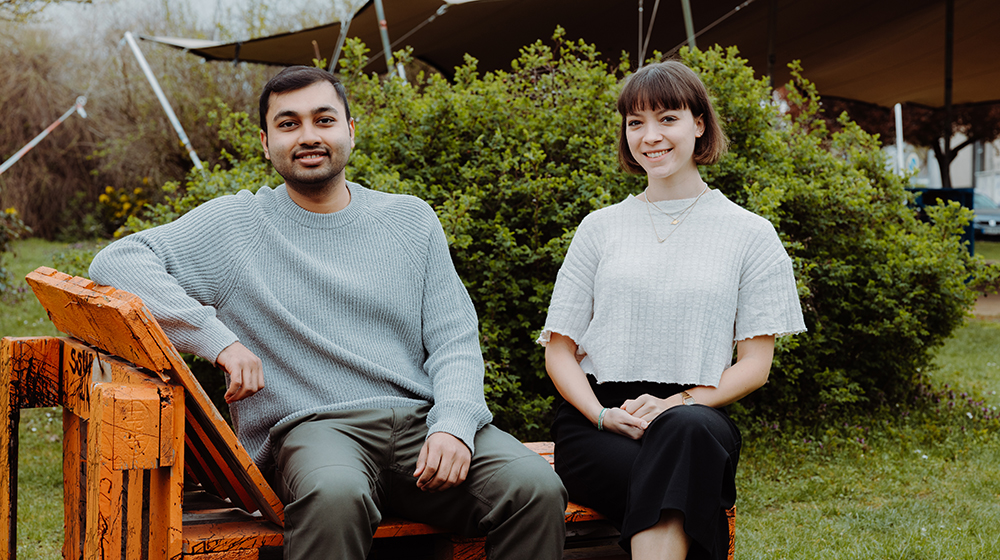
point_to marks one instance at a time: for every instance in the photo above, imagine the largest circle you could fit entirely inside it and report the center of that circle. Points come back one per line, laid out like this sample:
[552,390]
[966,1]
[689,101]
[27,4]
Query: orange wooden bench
[151,470]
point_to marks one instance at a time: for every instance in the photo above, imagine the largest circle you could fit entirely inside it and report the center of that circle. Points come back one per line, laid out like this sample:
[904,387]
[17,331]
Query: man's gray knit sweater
[361,308]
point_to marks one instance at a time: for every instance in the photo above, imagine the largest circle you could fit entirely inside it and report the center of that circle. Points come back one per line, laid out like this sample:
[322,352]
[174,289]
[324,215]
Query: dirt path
[988,307]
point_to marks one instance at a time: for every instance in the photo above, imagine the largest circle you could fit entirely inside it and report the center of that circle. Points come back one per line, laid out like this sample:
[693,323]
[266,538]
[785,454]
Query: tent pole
[649,31]
[898,110]
[772,32]
[163,99]
[383,29]
[688,22]
[639,52]
[949,40]
[344,26]
[76,108]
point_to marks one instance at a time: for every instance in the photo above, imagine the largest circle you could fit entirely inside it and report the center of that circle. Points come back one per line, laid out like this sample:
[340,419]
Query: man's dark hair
[298,77]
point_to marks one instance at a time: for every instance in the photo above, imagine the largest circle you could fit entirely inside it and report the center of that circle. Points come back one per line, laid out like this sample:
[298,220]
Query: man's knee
[338,495]
[531,482]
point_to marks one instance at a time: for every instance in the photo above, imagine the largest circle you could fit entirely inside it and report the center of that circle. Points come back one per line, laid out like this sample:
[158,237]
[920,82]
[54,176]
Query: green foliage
[11,228]
[880,290]
[513,160]
[245,168]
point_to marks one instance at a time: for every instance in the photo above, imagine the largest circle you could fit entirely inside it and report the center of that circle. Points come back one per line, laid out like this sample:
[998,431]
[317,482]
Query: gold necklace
[677,222]
[676,218]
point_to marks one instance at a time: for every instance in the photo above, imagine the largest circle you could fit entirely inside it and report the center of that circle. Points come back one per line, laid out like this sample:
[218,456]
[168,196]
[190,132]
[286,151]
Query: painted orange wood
[242,554]
[134,427]
[34,365]
[29,377]
[104,485]
[9,415]
[396,527]
[125,438]
[74,484]
[166,491]
[117,322]
[250,533]
[133,513]
[100,319]
[460,548]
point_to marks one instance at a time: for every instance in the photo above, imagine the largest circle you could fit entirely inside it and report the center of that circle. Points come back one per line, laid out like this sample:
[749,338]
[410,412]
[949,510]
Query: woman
[652,296]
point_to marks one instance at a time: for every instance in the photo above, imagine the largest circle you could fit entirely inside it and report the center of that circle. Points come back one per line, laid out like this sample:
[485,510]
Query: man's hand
[443,463]
[246,371]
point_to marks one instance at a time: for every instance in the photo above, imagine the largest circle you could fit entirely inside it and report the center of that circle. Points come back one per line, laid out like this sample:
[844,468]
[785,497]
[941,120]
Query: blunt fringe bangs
[295,78]
[670,85]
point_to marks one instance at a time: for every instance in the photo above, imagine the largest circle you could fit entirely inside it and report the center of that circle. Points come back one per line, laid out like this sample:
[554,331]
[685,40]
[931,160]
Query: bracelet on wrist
[600,420]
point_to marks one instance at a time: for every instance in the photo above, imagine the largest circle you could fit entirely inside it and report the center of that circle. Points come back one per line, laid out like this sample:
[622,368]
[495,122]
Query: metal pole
[344,26]
[383,29]
[638,53]
[688,23]
[898,109]
[772,32]
[649,31]
[77,108]
[949,40]
[163,99]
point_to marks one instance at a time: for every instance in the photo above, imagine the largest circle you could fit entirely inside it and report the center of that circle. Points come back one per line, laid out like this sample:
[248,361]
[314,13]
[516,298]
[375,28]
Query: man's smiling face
[309,137]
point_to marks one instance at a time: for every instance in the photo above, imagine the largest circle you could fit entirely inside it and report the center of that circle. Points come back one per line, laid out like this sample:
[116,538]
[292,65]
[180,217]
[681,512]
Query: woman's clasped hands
[634,415]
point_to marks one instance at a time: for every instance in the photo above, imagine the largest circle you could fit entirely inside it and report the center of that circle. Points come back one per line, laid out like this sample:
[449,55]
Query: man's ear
[263,142]
[350,126]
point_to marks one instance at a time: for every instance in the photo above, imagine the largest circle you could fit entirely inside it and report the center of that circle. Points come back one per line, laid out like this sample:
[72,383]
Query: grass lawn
[990,250]
[914,486]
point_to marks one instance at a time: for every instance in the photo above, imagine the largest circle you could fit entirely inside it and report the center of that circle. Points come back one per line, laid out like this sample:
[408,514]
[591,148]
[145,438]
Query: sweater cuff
[460,419]
[208,342]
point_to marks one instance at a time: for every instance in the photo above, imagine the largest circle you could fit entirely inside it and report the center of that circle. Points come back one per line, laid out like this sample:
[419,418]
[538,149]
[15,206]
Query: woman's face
[662,140]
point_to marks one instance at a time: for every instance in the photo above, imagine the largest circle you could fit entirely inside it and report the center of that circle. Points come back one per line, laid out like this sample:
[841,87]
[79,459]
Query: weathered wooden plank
[74,484]
[166,491]
[101,318]
[105,493]
[134,426]
[134,514]
[117,322]
[396,527]
[34,367]
[461,548]
[78,363]
[252,533]
[242,554]
[9,420]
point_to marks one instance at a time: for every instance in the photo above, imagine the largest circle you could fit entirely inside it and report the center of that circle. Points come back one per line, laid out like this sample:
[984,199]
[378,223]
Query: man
[350,344]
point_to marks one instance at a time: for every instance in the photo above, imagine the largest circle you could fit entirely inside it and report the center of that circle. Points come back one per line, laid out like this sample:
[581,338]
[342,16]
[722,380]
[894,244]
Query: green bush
[11,228]
[513,160]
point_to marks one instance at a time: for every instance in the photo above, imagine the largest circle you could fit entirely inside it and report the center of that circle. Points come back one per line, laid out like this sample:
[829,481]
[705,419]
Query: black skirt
[686,461]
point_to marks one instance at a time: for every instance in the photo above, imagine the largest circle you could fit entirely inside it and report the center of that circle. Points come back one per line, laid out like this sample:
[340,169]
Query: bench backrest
[118,323]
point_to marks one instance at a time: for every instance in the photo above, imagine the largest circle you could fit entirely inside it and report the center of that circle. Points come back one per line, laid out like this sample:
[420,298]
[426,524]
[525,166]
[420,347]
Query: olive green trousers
[338,473]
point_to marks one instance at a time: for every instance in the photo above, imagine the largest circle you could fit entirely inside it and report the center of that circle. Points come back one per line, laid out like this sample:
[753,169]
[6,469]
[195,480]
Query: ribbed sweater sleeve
[175,269]
[451,337]
[361,308]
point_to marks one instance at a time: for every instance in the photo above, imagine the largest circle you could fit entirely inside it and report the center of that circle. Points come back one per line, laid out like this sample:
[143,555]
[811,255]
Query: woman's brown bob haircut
[671,86]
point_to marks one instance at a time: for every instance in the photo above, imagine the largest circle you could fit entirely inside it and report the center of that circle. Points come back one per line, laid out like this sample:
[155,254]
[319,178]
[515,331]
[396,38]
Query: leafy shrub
[11,228]
[513,160]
